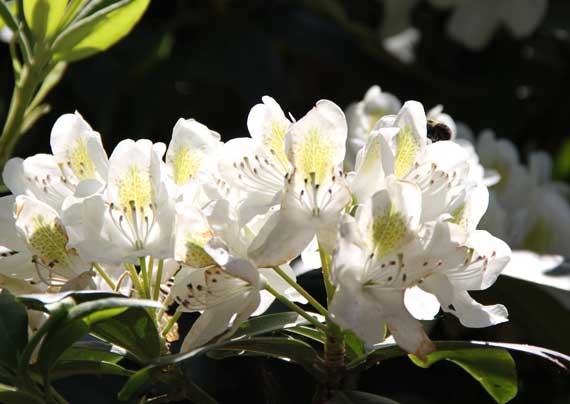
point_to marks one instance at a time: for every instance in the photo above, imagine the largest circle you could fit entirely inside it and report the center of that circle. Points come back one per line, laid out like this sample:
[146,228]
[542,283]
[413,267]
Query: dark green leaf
[7,15]
[268,323]
[134,330]
[93,351]
[99,31]
[59,340]
[13,329]
[80,320]
[136,383]
[277,347]
[65,369]
[309,332]
[11,395]
[493,368]
[359,397]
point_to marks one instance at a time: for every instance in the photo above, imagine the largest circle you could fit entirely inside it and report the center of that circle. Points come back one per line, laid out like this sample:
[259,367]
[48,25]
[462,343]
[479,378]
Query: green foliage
[493,368]
[7,10]
[13,330]
[99,31]
[136,383]
[11,395]
[44,17]
[268,323]
[134,330]
[93,351]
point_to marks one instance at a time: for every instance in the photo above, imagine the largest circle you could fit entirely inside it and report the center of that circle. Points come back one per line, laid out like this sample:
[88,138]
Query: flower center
[49,240]
[80,162]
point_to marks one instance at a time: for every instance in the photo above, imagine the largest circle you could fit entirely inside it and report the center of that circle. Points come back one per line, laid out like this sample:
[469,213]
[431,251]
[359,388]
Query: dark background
[213,60]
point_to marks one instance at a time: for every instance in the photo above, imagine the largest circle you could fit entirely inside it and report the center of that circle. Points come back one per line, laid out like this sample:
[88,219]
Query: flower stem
[135,278]
[144,275]
[295,308]
[171,323]
[158,280]
[301,291]
[104,275]
[325,263]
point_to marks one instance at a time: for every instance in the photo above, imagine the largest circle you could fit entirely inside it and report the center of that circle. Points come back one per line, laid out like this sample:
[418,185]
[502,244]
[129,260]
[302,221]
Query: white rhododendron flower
[78,155]
[191,158]
[362,117]
[386,250]
[257,166]
[315,191]
[474,22]
[41,255]
[216,277]
[133,216]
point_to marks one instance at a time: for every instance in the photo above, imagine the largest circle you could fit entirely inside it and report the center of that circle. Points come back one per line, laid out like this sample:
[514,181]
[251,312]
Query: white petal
[192,150]
[458,302]
[285,234]
[280,285]
[78,149]
[311,256]
[422,305]
[316,143]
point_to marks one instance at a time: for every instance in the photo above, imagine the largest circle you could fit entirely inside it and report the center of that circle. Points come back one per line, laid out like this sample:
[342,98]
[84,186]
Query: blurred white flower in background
[474,22]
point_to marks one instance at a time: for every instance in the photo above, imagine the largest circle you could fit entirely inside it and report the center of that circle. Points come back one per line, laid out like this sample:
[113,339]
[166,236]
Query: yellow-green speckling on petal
[135,186]
[388,233]
[79,160]
[186,163]
[49,241]
[407,148]
[314,155]
[196,256]
[539,238]
[274,141]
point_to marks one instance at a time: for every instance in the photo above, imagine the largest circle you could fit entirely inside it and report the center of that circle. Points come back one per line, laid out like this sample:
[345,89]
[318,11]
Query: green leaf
[268,323]
[44,17]
[359,397]
[309,332]
[58,341]
[136,383]
[277,347]
[493,368]
[133,330]
[13,329]
[355,346]
[40,301]
[11,395]
[7,15]
[93,351]
[65,369]
[99,31]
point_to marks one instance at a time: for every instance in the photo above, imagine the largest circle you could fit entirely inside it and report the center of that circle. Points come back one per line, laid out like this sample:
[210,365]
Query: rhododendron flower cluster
[389,212]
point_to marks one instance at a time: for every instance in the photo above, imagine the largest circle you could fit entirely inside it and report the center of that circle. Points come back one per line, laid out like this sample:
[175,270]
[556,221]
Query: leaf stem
[135,278]
[144,275]
[325,263]
[103,274]
[295,308]
[319,307]
[156,291]
[171,323]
